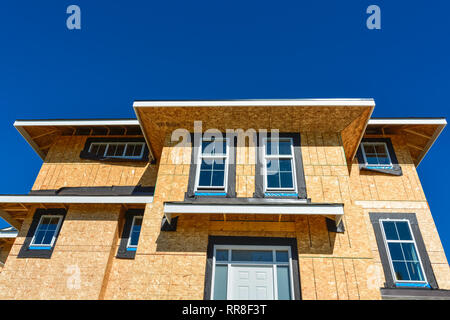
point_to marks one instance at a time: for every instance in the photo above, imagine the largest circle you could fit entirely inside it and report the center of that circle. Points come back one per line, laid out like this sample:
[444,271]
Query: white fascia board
[418,121]
[258,103]
[25,123]
[9,234]
[75,199]
[172,208]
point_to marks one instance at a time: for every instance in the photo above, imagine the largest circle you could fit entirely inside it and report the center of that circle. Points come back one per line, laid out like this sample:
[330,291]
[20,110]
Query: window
[279,166]
[376,154]
[403,255]
[212,170]
[46,232]
[124,150]
[134,233]
[252,272]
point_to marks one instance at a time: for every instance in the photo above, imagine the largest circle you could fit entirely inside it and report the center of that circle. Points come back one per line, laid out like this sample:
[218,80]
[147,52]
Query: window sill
[412,285]
[39,248]
[395,170]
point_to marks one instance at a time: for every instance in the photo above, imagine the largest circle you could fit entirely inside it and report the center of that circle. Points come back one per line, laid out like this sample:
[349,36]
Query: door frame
[264,243]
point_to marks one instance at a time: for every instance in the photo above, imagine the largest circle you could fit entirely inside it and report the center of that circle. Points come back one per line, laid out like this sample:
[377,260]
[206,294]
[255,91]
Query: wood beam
[417,133]
[8,218]
[414,146]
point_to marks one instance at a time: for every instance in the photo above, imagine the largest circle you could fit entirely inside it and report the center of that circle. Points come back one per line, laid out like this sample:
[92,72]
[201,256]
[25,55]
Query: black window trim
[396,168]
[300,193]
[375,218]
[25,251]
[122,252]
[261,241]
[231,183]
[85,154]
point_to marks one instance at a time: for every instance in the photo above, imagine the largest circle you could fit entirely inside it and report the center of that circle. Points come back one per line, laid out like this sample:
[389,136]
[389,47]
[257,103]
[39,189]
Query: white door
[251,283]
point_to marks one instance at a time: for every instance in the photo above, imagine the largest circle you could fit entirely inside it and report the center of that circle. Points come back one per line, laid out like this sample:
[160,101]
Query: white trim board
[278,209]
[87,122]
[259,103]
[406,121]
[76,199]
[8,234]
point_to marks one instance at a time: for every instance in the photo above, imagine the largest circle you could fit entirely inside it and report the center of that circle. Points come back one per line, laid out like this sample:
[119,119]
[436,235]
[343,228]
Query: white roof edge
[9,234]
[321,209]
[25,123]
[406,121]
[258,103]
[75,199]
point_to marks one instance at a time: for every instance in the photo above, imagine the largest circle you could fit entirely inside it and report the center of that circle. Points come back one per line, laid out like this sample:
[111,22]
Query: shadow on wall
[192,235]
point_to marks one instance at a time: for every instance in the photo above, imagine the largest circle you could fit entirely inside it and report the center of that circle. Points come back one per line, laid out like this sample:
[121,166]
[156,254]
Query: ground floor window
[250,272]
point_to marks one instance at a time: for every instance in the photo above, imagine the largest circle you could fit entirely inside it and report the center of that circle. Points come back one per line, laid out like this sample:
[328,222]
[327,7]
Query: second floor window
[124,150]
[402,251]
[212,165]
[46,232]
[376,154]
[279,165]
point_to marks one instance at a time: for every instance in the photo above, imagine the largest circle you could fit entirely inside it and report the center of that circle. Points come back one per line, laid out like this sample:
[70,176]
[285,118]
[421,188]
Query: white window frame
[291,157]
[274,264]
[391,264]
[32,244]
[123,156]
[131,231]
[200,157]
[385,148]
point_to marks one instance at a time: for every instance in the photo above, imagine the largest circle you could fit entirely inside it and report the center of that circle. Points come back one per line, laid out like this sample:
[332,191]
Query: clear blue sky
[129,50]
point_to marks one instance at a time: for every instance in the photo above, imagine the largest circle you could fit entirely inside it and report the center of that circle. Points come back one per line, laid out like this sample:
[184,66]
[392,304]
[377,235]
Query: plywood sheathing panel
[63,167]
[157,122]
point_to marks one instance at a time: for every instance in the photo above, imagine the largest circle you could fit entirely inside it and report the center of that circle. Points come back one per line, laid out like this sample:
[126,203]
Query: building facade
[243,199]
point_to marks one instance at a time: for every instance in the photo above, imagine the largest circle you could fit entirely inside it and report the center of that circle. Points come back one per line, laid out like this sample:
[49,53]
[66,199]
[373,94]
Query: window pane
[369,148]
[48,237]
[380,149]
[119,150]
[218,178]
[415,271]
[284,283]
[137,150]
[134,238]
[273,180]
[282,256]
[222,255]
[273,166]
[285,165]
[286,180]
[390,231]
[44,223]
[205,178]
[220,282]
[403,230]
[206,164]
[401,271]
[101,150]
[410,252]
[249,255]
[285,147]
[39,237]
[371,159]
[271,148]
[396,251]
[111,150]
[219,164]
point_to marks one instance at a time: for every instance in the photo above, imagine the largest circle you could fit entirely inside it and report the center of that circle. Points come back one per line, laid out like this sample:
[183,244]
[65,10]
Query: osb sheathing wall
[171,265]
[5,248]
[63,167]
[79,261]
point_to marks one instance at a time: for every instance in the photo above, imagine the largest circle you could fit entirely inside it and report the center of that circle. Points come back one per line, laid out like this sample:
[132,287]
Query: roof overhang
[40,134]
[349,117]
[275,208]
[14,208]
[420,133]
